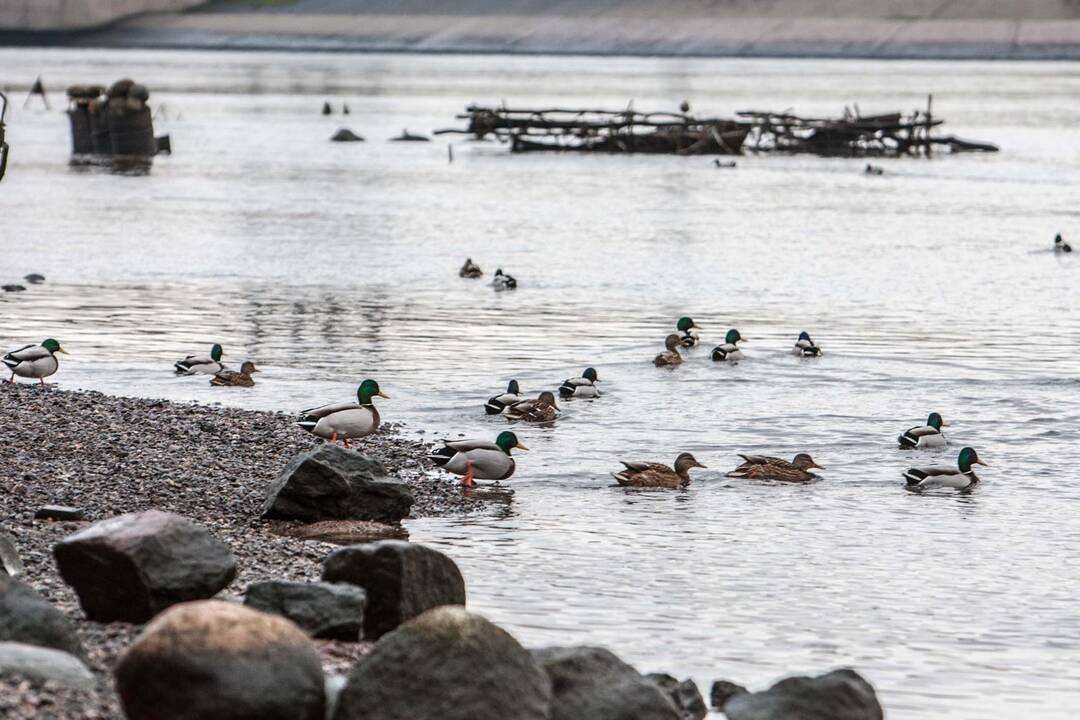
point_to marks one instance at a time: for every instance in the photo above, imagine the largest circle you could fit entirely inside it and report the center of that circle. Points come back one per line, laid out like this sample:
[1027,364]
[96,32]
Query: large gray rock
[131,567]
[27,617]
[211,659]
[446,664]
[840,695]
[332,483]
[591,683]
[684,694]
[724,690]
[322,610]
[402,580]
[44,665]
[10,563]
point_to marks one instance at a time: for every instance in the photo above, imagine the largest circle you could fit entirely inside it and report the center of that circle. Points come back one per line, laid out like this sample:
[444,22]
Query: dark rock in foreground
[402,580]
[44,665]
[217,660]
[685,695]
[722,691]
[591,683]
[10,563]
[332,483]
[131,567]
[322,610]
[446,664]
[27,617]
[839,695]
[58,512]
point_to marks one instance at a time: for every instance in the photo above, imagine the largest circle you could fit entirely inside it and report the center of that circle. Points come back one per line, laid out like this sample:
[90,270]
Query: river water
[930,288]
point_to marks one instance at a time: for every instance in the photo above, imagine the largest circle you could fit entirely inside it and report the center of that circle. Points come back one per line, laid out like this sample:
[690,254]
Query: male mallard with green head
[479,459]
[201,364]
[729,351]
[226,377]
[764,467]
[645,474]
[962,477]
[671,355]
[805,347]
[497,404]
[689,330]
[925,436]
[581,387]
[345,420]
[542,409]
[34,361]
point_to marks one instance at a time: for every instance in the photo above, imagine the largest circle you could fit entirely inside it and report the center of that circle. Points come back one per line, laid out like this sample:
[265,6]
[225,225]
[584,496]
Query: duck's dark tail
[567,389]
[914,476]
[442,456]
[494,406]
[719,354]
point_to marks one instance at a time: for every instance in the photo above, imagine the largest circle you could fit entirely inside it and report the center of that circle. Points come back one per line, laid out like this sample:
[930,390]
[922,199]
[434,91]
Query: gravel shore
[112,455]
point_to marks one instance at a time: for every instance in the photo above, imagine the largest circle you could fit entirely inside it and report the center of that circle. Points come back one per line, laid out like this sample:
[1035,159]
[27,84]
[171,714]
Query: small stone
[685,695]
[44,665]
[322,610]
[10,563]
[722,691]
[58,512]
[26,617]
[839,695]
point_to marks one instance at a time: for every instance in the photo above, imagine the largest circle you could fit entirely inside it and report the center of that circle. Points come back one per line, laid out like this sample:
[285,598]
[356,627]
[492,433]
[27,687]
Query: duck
[470,269]
[925,436]
[961,477]
[645,474]
[34,278]
[1060,246]
[764,467]
[34,361]
[805,347]
[689,330]
[729,350]
[542,409]
[201,364]
[671,355]
[874,170]
[345,420]
[581,387]
[503,281]
[237,379]
[479,459]
[497,404]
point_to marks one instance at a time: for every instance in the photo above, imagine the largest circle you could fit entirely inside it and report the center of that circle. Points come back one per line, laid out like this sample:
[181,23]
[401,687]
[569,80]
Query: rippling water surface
[930,288]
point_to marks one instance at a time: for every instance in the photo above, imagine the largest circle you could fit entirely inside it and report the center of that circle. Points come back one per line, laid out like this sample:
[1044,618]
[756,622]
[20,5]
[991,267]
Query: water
[930,288]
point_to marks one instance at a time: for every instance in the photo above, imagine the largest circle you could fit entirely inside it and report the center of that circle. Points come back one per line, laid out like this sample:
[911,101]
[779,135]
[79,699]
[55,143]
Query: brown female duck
[671,355]
[763,467]
[641,474]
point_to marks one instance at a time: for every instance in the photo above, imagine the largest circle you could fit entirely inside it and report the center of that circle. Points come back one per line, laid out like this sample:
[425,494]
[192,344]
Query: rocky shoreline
[110,455]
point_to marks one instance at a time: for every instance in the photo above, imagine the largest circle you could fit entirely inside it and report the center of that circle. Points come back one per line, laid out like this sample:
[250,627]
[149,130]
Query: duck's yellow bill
[383,395]
[60,349]
[980,462]
[519,446]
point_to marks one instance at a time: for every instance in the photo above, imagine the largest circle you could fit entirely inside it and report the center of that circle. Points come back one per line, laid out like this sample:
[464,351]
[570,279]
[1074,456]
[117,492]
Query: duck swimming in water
[689,330]
[581,387]
[542,409]
[502,281]
[805,347]
[1060,246]
[201,364]
[962,477]
[729,351]
[644,474]
[497,404]
[764,467]
[345,420]
[34,361]
[671,355]
[226,377]
[479,459]
[925,436]
[470,269]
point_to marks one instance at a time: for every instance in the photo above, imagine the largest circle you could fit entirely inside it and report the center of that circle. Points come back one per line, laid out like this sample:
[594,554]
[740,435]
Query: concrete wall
[61,15]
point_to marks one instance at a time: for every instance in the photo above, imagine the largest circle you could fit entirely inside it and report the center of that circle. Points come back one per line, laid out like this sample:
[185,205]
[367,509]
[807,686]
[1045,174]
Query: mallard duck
[805,347]
[503,281]
[34,278]
[581,387]
[479,458]
[34,361]
[497,404]
[961,477]
[237,379]
[874,170]
[1060,246]
[201,364]
[671,355]
[642,474]
[542,409]
[345,420]
[729,350]
[763,467]
[689,331]
[470,269]
[925,436]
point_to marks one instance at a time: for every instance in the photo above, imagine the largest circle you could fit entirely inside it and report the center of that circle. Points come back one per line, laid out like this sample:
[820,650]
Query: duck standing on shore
[962,477]
[689,330]
[1060,246]
[581,387]
[497,404]
[644,474]
[479,459]
[34,361]
[346,420]
[764,467]
[925,436]
[226,377]
[470,270]
[542,409]
[729,351]
[201,364]
[503,281]
[805,347]
[671,355]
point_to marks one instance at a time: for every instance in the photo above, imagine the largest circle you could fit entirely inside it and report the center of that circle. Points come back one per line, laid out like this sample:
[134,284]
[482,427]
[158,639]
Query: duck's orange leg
[468,481]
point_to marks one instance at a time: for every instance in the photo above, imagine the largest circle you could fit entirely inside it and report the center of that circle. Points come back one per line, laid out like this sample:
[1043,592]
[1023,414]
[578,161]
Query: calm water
[930,288]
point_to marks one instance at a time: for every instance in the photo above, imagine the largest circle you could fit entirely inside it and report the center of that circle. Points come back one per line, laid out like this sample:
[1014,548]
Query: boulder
[42,664]
[722,691]
[446,664]
[590,683]
[27,617]
[839,695]
[332,483]
[58,512]
[402,580]
[685,695]
[322,610]
[10,563]
[211,659]
[131,567]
